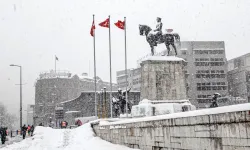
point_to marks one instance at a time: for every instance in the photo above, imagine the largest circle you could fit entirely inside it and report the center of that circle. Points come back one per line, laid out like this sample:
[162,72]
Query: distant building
[133,81]
[52,88]
[84,105]
[239,77]
[206,71]
[30,112]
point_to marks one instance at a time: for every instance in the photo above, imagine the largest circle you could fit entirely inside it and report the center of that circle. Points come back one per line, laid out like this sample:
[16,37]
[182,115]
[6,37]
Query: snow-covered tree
[6,119]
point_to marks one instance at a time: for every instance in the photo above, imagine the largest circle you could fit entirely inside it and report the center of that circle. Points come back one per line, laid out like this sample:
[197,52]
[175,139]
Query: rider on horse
[158,30]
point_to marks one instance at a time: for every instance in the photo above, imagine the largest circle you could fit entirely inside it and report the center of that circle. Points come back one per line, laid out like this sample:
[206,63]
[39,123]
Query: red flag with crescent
[105,23]
[170,30]
[120,24]
[92,30]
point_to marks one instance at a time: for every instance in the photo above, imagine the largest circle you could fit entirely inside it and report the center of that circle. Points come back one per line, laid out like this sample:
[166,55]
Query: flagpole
[94,68]
[111,112]
[55,63]
[125,26]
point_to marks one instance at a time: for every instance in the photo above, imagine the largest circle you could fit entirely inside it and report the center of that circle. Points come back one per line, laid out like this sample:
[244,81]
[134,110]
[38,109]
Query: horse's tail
[177,38]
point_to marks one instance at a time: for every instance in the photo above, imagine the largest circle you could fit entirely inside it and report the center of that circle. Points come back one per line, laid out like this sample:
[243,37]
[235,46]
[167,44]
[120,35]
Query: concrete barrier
[210,129]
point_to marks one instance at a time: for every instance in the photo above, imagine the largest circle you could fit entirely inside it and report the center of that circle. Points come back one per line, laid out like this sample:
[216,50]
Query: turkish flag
[120,24]
[105,23]
[92,30]
[170,30]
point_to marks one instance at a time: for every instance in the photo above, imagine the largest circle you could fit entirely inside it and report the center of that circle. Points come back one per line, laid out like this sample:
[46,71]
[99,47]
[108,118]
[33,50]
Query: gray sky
[33,31]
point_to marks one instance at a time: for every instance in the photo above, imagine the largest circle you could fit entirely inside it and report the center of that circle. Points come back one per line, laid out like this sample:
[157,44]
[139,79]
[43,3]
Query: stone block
[182,121]
[202,128]
[159,139]
[158,131]
[226,147]
[202,134]
[236,142]
[167,137]
[175,145]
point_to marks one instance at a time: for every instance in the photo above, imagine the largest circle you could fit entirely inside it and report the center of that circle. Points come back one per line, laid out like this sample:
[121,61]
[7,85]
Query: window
[184,52]
[198,52]
[211,86]
[209,62]
[213,74]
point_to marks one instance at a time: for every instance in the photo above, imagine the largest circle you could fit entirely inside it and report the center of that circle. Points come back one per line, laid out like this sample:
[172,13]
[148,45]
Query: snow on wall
[218,110]
[225,128]
[167,58]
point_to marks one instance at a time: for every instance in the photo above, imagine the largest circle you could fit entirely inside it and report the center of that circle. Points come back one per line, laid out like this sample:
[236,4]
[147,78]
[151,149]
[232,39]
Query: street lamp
[12,65]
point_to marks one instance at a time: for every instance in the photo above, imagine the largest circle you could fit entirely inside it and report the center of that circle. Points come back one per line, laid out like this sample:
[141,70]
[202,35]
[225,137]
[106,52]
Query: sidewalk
[12,140]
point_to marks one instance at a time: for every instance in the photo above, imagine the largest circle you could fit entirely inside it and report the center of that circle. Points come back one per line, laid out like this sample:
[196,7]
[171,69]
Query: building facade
[205,71]
[30,112]
[239,77]
[52,88]
[85,103]
[133,81]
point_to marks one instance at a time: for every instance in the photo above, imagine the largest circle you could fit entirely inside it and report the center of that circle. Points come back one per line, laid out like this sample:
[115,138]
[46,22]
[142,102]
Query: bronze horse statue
[167,38]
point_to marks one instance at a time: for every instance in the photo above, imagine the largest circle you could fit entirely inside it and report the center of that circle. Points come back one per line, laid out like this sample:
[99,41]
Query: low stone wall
[226,131]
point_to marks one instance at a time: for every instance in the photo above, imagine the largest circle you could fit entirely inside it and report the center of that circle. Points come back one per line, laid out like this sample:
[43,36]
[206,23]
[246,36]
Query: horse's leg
[168,48]
[174,48]
[152,50]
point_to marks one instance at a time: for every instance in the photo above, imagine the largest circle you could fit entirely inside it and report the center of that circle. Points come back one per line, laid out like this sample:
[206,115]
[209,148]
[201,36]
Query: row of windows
[208,71]
[201,59]
[216,59]
[211,83]
[204,96]
[210,75]
[209,88]
[208,51]
[209,63]
[207,59]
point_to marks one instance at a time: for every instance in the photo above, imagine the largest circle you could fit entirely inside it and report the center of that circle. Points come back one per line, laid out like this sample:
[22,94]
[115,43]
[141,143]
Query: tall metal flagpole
[21,97]
[111,111]
[94,67]
[125,24]
[55,63]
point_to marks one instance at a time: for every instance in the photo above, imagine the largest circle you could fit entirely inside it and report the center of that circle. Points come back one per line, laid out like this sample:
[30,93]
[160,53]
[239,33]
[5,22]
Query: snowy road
[81,138]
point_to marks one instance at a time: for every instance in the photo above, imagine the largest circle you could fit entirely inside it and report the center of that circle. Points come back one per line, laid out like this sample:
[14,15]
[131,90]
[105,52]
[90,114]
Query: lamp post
[12,65]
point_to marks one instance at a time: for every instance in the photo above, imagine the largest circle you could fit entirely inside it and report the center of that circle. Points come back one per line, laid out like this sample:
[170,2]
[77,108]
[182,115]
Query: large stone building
[85,103]
[52,88]
[205,71]
[239,77]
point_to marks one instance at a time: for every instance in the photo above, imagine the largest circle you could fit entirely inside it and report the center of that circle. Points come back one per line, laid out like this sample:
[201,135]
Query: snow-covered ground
[81,138]
[12,140]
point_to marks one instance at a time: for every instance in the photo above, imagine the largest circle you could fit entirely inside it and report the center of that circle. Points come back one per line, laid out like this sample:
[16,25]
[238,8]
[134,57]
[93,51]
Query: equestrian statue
[156,36]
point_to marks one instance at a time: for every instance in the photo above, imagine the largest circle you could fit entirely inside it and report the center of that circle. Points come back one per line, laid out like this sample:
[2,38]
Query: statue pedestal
[163,78]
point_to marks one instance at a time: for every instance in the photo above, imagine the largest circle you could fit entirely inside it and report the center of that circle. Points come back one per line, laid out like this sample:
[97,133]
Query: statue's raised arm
[128,90]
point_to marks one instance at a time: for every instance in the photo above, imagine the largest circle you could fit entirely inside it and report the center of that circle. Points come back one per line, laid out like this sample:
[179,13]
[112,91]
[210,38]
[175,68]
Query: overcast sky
[33,31]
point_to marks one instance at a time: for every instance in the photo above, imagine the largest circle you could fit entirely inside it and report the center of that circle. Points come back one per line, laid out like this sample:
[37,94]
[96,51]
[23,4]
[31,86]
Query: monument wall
[163,78]
[210,129]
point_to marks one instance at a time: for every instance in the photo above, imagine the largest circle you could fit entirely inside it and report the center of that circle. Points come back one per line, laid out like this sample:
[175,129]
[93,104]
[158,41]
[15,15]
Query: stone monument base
[163,78]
